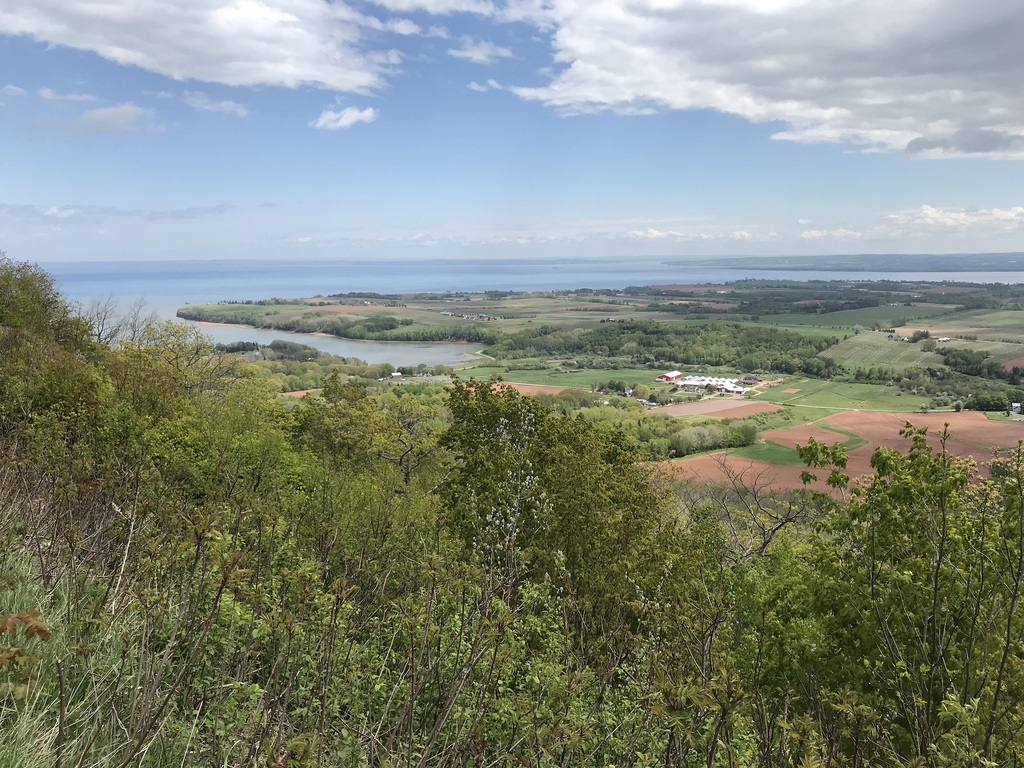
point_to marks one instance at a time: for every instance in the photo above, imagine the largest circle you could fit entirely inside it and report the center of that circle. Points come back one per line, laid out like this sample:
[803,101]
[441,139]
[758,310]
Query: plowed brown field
[536,389]
[725,469]
[800,435]
[970,434]
[719,408]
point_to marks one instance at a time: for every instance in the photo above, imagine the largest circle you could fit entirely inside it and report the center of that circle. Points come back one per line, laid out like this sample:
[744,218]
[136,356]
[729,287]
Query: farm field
[1008,320]
[776,321]
[840,396]
[865,318]
[874,348]
[536,389]
[718,407]
[986,324]
[970,434]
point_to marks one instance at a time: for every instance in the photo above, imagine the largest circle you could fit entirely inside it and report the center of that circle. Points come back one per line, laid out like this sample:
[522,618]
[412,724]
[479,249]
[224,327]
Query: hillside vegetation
[193,572]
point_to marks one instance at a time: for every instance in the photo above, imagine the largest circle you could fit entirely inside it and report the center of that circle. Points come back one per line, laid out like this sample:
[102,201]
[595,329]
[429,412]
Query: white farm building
[696,383]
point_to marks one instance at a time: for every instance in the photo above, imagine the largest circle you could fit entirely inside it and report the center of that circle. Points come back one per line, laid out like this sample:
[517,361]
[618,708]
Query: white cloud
[841,233]
[479,51]
[403,27]
[706,233]
[931,77]
[489,85]
[346,118]
[481,7]
[12,90]
[123,117]
[59,213]
[234,42]
[51,95]
[200,101]
[930,219]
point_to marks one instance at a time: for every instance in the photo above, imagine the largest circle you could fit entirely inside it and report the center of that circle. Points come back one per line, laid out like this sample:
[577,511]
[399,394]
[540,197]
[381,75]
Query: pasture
[840,396]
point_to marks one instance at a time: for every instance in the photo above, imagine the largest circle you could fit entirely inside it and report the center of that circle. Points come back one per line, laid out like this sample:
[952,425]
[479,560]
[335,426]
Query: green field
[770,453]
[865,318]
[998,319]
[874,348]
[841,396]
[782,455]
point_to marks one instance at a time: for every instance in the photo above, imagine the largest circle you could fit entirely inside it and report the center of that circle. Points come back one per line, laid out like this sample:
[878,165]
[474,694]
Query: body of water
[167,285]
[394,352]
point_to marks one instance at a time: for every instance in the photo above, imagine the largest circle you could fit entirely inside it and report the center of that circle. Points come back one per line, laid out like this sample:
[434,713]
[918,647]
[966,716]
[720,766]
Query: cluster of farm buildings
[703,383]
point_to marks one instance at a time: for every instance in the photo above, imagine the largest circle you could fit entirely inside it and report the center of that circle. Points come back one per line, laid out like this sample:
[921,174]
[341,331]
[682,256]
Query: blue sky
[281,128]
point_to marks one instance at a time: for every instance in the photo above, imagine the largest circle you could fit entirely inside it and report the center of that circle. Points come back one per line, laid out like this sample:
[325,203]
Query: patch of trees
[944,385]
[989,401]
[649,342]
[238,346]
[976,363]
[379,327]
[710,437]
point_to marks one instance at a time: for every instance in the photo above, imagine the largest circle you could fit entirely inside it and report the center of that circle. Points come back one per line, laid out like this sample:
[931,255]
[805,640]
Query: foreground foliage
[193,574]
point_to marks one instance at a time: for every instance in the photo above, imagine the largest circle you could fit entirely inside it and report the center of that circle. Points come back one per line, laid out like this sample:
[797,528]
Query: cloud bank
[931,78]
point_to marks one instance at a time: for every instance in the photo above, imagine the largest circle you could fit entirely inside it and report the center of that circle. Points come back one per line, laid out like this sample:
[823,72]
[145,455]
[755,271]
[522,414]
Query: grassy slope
[872,348]
[866,317]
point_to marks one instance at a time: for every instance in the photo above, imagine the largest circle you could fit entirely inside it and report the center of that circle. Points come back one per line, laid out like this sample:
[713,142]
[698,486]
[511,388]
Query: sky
[162,129]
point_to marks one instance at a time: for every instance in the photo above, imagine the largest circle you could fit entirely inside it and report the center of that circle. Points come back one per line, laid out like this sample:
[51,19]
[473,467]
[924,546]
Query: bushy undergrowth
[193,574]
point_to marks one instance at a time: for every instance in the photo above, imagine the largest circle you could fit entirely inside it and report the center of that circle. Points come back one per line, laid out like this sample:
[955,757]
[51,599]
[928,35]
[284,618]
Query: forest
[196,572]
